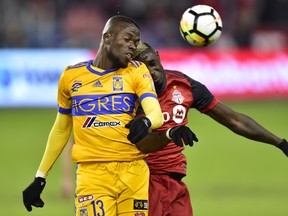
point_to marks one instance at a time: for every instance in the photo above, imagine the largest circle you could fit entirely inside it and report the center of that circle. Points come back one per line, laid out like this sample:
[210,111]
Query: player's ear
[106,38]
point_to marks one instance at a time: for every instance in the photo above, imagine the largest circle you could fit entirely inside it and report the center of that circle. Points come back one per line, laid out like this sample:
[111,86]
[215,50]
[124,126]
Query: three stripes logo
[97,84]
[89,122]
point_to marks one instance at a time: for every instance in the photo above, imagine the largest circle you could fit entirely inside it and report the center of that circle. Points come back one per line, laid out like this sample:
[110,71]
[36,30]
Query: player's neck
[101,61]
[160,85]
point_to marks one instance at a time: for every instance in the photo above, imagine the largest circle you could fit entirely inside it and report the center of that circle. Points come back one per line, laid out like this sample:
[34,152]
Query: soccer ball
[201,25]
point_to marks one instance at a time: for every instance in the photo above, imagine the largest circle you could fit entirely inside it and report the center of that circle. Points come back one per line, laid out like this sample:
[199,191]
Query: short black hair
[125,19]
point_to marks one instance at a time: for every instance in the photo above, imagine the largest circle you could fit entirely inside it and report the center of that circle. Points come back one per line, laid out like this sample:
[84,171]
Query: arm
[152,111]
[57,139]
[67,178]
[139,127]
[154,141]
[242,125]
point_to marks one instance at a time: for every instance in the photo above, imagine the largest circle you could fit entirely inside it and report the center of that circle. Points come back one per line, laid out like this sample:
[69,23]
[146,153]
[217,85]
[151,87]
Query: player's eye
[126,39]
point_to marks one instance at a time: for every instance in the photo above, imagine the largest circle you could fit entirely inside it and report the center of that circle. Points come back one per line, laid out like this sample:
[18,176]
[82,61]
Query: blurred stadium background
[247,69]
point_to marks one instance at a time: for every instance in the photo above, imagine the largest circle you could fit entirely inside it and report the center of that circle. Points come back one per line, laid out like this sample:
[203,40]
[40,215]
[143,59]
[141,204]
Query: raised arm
[243,125]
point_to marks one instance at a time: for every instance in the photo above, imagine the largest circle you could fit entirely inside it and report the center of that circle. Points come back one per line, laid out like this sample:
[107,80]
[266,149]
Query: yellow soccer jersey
[102,102]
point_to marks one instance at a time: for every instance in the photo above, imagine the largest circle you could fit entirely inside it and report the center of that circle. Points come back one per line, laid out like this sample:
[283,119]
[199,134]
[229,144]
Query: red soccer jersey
[179,95]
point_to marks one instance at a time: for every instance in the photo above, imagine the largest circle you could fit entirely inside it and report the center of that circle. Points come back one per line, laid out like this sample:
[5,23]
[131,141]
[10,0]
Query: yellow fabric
[152,111]
[102,102]
[57,139]
[103,187]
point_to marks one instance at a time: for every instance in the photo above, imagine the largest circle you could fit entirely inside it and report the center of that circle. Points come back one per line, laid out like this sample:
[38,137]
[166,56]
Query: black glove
[284,147]
[139,128]
[180,134]
[31,195]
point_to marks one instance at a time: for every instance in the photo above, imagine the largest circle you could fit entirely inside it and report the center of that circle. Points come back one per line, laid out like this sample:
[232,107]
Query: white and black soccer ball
[201,25]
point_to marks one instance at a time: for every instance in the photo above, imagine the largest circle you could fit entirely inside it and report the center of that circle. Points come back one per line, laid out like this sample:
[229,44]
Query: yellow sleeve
[57,140]
[152,111]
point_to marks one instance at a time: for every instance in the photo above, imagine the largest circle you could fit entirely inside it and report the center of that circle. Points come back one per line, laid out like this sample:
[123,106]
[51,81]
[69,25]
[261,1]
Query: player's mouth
[129,56]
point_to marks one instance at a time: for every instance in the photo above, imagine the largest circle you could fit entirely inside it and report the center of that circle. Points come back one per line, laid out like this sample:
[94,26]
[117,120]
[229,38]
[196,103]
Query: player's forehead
[148,56]
[129,29]
[127,33]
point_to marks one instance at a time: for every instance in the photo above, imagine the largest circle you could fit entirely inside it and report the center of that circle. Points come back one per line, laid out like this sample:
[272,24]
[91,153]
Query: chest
[95,84]
[176,101]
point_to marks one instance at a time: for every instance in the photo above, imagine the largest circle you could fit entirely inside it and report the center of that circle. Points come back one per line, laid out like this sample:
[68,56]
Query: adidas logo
[97,84]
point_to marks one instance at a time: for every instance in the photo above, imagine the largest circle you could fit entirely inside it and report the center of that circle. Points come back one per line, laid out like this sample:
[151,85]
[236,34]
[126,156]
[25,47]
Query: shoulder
[78,65]
[136,64]
[180,76]
[175,75]
[138,69]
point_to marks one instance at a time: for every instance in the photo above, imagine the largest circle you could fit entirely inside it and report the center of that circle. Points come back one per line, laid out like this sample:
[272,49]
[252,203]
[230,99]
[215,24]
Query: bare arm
[242,125]
[179,135]
[154,141]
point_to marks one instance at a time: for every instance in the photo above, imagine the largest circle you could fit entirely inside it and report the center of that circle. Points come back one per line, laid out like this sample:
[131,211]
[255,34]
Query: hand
[31,195]
[180,134]
[139,128]
[284,147]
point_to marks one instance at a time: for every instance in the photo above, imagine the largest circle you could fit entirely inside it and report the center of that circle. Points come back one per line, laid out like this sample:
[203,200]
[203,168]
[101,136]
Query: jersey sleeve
[145,90]
[204,100]
[143,83]
[57,140]
[64,97]
[153,111]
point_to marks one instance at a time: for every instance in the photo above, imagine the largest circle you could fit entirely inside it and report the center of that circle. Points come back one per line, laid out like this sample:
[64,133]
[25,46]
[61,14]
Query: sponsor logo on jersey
[85,198]
[147,76]
[97,84]
[177,97]
[118,84]
[91,122]
[141,204]
[92,105]
[76,85]
[179,113]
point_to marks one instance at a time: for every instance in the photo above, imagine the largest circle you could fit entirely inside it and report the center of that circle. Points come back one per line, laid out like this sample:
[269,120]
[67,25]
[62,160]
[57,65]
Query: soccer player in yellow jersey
[97,98]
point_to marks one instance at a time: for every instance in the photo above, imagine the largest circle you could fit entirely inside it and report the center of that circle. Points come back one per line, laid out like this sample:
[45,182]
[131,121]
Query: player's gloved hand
[139,128]
[31,195]
[180,134]
[284,147]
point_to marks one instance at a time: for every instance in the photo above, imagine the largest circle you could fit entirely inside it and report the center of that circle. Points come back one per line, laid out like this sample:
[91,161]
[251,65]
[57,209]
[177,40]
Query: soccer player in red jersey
[177,93]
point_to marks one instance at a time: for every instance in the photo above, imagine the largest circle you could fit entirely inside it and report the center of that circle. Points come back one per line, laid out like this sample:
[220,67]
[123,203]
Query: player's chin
[123,63]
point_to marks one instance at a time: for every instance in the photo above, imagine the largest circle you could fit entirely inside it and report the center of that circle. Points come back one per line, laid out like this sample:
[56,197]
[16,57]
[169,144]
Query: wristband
[168,134]
[283,144]
[40,174]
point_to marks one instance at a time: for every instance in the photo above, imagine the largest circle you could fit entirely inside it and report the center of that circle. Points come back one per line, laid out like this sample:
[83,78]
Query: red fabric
[168,197]
[180,94]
